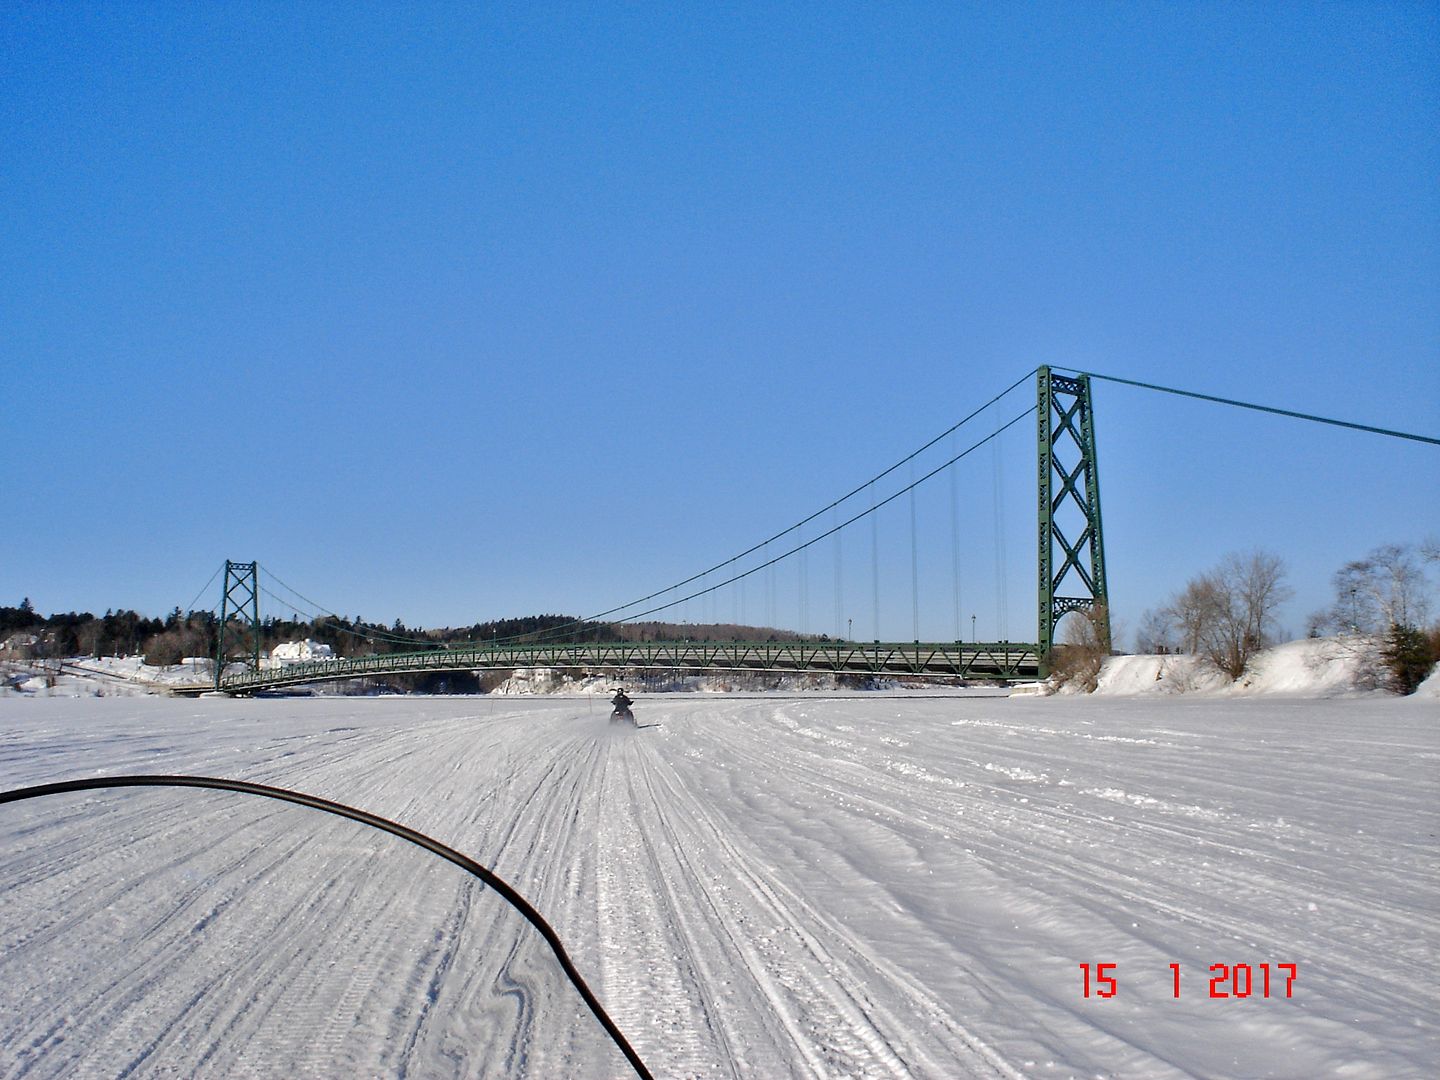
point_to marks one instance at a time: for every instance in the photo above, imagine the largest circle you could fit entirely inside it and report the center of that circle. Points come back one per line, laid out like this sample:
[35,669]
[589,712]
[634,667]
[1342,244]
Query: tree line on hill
[116,633]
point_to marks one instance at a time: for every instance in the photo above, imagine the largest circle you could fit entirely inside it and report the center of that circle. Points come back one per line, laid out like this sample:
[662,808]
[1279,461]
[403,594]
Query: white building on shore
[298,652]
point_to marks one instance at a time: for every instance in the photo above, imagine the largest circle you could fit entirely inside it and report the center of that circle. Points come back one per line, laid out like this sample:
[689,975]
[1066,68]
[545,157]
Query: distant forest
[25,634]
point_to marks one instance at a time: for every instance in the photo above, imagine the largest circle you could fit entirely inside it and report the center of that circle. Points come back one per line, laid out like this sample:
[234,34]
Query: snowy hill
[1312,667]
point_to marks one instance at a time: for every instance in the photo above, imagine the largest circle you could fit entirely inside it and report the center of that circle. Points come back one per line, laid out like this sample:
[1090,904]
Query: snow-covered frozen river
[827,886]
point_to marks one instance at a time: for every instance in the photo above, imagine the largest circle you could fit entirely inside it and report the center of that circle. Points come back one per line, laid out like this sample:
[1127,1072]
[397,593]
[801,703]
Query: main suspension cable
[1029,411]
[191,606]
[541,635]
[316,610]
[1258,408]
[824,509]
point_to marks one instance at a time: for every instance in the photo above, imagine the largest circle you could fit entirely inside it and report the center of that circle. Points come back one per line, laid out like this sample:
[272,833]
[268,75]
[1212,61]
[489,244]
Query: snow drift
[1312,667]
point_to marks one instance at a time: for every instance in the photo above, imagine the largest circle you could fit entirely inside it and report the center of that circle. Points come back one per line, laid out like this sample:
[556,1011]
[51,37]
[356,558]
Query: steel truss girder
[1004,660]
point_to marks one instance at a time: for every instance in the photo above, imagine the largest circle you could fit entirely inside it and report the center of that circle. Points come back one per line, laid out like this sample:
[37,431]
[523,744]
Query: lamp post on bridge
[972,629]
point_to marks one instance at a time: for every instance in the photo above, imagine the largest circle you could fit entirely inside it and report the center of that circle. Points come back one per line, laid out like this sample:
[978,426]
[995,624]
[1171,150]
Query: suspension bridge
[1070,577]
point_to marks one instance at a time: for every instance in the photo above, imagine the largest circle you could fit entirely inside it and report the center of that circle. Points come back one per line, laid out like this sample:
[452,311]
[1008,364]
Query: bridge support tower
[239,601]
[1072,543]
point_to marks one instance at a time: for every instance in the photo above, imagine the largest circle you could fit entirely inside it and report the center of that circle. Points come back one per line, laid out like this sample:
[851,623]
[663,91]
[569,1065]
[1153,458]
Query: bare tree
[163,649]
[1157,632]
[90,635]
[1401,586]
[1259,579]
[1228,614]
[1387,588]
[1086,644]
[1194,611]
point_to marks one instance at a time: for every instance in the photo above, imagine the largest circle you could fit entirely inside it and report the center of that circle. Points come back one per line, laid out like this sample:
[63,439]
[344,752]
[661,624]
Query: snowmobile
[622,713]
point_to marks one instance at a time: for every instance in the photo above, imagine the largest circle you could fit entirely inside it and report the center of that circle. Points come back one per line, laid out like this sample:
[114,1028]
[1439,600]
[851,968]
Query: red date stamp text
[1225,980]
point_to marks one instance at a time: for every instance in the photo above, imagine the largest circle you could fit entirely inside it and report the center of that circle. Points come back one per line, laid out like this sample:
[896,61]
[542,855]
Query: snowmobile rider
[620,701]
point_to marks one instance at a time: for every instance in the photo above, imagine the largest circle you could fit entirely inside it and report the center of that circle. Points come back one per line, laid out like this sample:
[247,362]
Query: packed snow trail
[813,887]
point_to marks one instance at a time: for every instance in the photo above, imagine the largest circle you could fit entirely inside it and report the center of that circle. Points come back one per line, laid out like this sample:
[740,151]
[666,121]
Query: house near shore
[299,652]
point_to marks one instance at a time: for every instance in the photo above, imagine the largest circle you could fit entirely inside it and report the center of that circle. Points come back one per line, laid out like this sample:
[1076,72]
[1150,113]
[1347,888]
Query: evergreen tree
[1409,656]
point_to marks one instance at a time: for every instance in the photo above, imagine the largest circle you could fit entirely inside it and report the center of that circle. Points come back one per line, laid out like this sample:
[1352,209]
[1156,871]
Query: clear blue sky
[448,314]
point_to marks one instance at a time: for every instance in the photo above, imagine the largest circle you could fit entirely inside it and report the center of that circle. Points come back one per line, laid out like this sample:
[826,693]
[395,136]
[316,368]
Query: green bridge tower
[1072,542]
[239,600]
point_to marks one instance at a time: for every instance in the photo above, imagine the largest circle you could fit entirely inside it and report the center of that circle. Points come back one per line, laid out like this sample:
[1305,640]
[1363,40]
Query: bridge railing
[1003,660]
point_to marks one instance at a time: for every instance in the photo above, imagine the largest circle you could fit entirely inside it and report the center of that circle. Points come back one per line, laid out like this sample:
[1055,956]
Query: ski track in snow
[868,886]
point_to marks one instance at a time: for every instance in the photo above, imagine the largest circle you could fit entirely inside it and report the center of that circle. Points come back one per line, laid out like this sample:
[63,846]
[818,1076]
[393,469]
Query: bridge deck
[1004,660]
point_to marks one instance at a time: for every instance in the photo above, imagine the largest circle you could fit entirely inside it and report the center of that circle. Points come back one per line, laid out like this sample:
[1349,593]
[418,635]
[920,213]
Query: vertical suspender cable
[1002,631]
[769,588]
[804,591]
[914,563]
[955,537]
[875,557]
[839,576]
